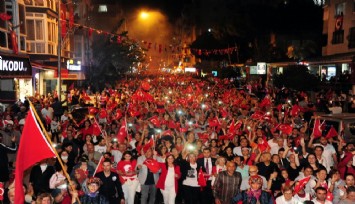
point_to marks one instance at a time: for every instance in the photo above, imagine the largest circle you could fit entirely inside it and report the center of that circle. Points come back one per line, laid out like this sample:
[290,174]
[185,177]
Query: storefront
[15,78]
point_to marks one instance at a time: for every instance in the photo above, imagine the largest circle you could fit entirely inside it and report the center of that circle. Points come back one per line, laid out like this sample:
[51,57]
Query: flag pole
[54,150]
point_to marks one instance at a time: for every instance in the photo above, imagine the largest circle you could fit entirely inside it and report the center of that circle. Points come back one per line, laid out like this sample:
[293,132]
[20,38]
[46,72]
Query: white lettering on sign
[11,65]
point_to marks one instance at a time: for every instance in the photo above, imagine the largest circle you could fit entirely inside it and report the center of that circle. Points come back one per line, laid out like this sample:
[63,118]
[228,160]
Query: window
[2,10]
[352,38]
[102,8]
[22,19]
[340,9]
[338,37]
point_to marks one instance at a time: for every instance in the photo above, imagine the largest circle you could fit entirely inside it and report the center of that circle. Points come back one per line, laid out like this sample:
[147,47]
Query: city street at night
[177,102]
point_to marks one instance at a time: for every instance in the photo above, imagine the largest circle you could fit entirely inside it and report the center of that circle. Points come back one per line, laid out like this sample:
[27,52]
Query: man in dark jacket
[4,161]
[111,186]
[207,164]
[40,176]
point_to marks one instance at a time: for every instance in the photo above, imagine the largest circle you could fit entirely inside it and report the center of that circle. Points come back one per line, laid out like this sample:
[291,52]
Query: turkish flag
[265,102]
[317,131]
[301,184]
[213,122]
[201,179]
[122,133]
[28,153]
[332,133]
[5,16]
[149,145]
[96,129]
[232,127]
[155,121]
[285,128]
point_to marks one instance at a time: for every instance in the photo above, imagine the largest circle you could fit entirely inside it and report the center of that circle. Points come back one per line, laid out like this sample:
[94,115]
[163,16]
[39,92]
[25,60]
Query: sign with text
[13,66]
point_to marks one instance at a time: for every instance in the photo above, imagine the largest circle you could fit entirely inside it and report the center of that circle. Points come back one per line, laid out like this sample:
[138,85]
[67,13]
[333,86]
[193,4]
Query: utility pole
[59,83]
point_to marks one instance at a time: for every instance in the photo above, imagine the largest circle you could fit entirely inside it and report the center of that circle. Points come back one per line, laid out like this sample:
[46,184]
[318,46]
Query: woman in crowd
[128,176]
[168,180]
[254,195]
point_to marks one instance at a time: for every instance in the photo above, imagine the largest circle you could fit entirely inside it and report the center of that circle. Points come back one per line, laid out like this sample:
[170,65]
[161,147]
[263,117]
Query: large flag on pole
[33,148]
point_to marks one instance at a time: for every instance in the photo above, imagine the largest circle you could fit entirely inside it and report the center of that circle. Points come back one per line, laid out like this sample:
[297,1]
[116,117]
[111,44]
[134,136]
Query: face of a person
[192,158]
[276,159]
[322,175]
[148,153]
[46,200]
[106,166]
[284,174]
[318,152]
[255,186]
[206,153]
[323,141]
[253,171]
[308,172]
[245,152]
[231,167]
[170,159]
[349,180]
[311,159]
[321,195]
[288,195]
[127,157]
[351,196]
[93,187]
[243,143]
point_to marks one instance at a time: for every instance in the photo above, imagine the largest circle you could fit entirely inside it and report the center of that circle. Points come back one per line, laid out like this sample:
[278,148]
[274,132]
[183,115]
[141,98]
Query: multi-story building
[338,51]
[15,67]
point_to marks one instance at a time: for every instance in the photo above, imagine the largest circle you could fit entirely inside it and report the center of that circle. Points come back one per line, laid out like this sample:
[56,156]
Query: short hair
[319,147]
[107,160]
[350,189]
[320,188]
[207,148]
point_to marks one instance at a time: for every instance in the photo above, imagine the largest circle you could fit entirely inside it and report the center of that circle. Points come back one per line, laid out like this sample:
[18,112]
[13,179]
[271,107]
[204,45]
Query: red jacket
[343,169]
[164,172]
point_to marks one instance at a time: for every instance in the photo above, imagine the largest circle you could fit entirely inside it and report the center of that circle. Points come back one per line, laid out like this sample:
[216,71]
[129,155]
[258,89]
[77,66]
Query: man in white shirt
[101,147]
[329,152]
[321,195]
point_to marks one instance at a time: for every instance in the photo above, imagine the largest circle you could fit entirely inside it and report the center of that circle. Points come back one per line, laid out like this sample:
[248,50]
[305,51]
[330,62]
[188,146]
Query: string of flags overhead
[174,49]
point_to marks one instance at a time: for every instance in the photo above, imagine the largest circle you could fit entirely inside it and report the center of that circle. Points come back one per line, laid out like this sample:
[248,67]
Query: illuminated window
[102,8]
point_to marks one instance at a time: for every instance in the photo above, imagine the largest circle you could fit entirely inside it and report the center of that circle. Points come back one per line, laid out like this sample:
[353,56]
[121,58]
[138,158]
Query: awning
[42,67]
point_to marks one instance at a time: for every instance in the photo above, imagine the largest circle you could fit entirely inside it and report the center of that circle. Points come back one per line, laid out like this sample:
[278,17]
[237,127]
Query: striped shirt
[226,186]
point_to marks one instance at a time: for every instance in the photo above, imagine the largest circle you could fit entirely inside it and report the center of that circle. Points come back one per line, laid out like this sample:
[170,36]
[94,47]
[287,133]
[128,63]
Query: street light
[144,15]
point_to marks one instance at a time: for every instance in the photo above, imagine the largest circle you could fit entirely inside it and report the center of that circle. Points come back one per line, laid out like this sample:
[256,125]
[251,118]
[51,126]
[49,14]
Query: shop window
[338,37]
[352,38]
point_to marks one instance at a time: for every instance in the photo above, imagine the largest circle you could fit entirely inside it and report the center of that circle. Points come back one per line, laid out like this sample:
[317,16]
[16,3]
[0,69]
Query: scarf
[254,193]
[93,195]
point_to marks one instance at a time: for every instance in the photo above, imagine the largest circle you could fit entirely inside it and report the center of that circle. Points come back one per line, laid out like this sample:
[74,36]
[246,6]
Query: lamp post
[59,83]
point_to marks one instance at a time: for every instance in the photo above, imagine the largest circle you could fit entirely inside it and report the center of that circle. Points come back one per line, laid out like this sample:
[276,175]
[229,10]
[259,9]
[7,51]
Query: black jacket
[110,185]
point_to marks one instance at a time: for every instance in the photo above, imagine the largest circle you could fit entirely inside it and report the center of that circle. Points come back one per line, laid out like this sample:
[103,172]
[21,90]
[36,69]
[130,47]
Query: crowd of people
[179,139]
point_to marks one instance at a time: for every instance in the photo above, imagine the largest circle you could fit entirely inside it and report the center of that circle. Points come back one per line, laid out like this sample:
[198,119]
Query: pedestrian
[111,186]
[227,184]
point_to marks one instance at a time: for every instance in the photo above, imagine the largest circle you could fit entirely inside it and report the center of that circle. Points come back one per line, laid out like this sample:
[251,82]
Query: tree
[296,77]
[113,58]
